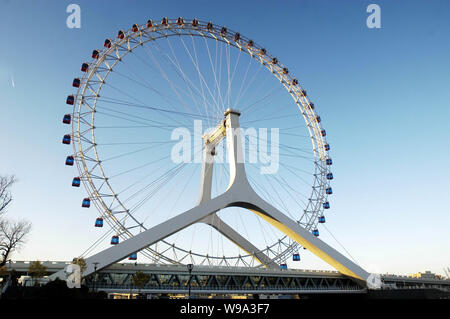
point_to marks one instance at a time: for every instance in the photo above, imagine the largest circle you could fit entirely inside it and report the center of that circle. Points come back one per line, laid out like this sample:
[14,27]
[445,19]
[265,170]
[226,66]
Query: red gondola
[95,54]
[84,67]
[107,43]
[76,83]
[70,100]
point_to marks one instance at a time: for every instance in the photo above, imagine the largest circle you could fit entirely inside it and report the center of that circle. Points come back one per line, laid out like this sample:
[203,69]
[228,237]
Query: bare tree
[12,233]
[5,192]
[12,237]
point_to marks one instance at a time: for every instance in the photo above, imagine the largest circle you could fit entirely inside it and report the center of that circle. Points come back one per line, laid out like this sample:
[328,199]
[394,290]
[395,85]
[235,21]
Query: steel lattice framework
[89,162]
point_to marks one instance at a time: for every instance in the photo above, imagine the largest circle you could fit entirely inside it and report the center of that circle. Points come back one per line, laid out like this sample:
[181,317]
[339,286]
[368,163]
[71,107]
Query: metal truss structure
[107,201]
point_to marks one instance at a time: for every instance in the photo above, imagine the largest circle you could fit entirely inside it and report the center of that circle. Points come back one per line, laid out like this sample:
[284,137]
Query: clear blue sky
[383,96]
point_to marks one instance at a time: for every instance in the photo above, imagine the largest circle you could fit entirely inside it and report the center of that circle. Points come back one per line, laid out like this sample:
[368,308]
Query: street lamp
[190,267]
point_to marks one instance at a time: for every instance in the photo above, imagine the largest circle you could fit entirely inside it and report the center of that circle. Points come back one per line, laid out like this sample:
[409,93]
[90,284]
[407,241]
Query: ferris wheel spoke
[200,75]
[175,88]
[189,84]
[135,118]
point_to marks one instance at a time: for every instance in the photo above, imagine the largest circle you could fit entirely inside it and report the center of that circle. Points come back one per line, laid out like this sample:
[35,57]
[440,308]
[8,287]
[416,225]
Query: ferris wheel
[157,99]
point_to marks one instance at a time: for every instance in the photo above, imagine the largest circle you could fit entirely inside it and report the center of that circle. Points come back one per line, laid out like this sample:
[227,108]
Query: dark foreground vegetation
[53,290]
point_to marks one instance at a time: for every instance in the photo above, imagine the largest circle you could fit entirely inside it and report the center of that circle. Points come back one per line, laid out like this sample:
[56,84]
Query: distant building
[425,275]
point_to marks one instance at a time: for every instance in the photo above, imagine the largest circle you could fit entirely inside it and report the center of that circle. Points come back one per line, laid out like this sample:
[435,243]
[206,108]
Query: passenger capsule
[149,23]
[70,100]
[294,82]
[209,26]
[285,71]
[318,119]
[330,176]
[323,133]
[304,92]
[165,21]
[237,36]
[283,266]
[322,219]
[195,23]
[132,257]
[66,139]
[114,240]
[326,147]
[315,232]
[135,28]
[76,182]
[95,54]
[329,191]
[99,222]
[262,51]
[86,203]
[311,105]
[329,161]
[84,67]
[70,160]
[76,83]
[250,43]
[223,31]
[67,119]
[326,205]
[180,21]
[120,34]
[107,43]
[296,257]
[274,60]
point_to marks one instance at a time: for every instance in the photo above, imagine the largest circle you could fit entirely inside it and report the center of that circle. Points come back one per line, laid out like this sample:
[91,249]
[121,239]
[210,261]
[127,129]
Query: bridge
[207,280]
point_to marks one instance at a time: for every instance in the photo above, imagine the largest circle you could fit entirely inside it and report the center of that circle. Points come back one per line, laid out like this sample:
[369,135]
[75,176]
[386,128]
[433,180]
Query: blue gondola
[132,257]
[70,100]
[330,176]
[67,119]
[84,67]
[315,232]
[99,222]
[283,266]
[322,219]
[329,191]
[76,182]
[66,139]
[318,119]
[304,92]
[323,133]
[329,161]
[296,257]
[86,203]
[311,105]
[69,160]
[114,240]
[327,147]
[326,205]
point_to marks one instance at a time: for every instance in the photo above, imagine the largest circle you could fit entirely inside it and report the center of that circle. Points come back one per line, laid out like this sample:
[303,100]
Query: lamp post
[190,267]
[95,273]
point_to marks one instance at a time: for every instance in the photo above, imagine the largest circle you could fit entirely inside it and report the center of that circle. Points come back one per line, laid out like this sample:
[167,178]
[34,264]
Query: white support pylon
[238,194]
